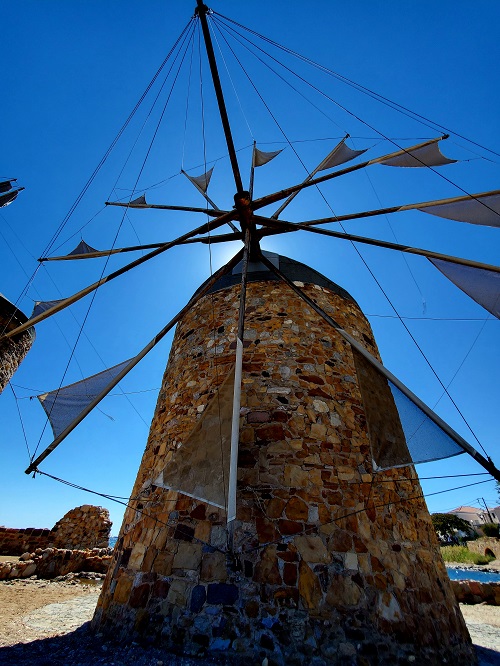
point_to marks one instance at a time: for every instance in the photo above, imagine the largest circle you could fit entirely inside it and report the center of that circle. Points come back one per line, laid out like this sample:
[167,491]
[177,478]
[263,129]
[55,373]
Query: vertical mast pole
[202,10]
[235,427]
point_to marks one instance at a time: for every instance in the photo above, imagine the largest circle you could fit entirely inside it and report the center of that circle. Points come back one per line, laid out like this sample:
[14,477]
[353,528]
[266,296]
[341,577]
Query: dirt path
[45,623]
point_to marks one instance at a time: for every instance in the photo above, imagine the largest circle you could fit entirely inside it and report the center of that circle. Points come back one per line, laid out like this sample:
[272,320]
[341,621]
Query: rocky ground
[45,623]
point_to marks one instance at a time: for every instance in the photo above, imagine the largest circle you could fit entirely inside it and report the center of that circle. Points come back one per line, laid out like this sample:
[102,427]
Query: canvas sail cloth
[42,306]
[482,209]
[199,468]
[480,284]
[201,182]
[64,405]
[399,431]
[425,156]
[82,248]
[260,157]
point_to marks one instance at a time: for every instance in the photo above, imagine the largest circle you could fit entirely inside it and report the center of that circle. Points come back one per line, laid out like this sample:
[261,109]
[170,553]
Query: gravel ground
[47,624]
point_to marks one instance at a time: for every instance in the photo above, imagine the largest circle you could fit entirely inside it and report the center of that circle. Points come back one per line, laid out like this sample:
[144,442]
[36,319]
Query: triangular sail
[201,182]
[425,156]
[42,306]
[82,248]
[481,209]
[140,201]
[480,284]
[64,405]
[339,155]
[199,468]
[261,157]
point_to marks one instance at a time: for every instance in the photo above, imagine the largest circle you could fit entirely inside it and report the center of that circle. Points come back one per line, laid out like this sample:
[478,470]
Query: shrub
[490,530]
[463,555]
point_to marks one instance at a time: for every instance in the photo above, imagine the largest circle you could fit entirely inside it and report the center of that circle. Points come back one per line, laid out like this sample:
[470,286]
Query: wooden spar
[372,241]
[275,215]
[134,361]
[397,209]
[205,196]
[235,423]
[202,10]
[189,209]
[460,441]
[212,224]
[222,238]
[283,194]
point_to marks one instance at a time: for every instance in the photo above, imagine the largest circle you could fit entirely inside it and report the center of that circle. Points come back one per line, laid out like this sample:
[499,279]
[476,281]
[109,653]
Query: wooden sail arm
[221,238]
[306,180]
[213,212]
[294,226]
[64,303]
[397,209]
[283,194]
[134,361]
[462,443]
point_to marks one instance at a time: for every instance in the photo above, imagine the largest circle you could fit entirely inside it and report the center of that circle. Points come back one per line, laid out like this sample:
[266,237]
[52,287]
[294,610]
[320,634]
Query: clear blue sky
[71,74]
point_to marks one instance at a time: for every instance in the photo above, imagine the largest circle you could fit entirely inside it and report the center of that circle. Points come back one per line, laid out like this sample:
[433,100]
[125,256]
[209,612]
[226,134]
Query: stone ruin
[331,563]
[83,528]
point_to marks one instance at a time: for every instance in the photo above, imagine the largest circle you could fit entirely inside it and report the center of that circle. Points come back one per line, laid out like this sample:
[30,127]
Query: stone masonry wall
[12,350]
[331,562]
[485,546]
[53,562]
[84,527]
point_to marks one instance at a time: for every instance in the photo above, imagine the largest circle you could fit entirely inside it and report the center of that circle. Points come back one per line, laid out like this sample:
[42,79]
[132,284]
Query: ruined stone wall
[84,527]
[12,350]
[331,562]
[52,562]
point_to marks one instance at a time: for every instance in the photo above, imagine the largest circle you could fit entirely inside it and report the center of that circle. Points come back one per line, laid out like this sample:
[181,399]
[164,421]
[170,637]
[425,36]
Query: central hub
[242,203]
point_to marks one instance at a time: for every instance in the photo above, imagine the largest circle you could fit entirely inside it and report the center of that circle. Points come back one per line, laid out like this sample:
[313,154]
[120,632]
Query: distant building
[477,517]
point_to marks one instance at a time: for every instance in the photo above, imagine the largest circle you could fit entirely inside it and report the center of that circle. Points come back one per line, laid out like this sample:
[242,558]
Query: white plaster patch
[351,561]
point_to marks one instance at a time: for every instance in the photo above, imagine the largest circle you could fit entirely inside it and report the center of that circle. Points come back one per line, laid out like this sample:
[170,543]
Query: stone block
[312,549]
[188,556]
[213,567]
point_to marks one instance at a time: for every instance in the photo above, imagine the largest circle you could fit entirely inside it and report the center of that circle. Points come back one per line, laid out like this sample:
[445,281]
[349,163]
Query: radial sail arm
[451,437]
[101,388]
[482,208]
[64,303]
[294,226]
[188,209]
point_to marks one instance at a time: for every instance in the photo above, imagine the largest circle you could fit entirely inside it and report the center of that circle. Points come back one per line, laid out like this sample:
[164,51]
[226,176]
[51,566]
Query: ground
[45,623]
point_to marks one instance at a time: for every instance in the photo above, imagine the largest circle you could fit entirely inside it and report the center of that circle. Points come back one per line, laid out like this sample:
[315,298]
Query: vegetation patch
[463,555]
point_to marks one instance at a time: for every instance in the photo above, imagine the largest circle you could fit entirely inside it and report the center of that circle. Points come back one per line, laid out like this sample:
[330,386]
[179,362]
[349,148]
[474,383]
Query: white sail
[425,156]
[482,285]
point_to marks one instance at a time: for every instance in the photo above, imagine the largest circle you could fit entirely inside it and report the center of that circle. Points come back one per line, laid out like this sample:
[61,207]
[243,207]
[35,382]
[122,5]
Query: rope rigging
[186,42]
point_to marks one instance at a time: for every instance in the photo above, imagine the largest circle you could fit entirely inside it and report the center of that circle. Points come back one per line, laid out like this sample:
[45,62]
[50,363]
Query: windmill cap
[294,270]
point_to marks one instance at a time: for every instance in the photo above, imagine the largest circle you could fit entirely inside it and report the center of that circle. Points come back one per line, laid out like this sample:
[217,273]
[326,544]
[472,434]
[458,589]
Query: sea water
[473,574]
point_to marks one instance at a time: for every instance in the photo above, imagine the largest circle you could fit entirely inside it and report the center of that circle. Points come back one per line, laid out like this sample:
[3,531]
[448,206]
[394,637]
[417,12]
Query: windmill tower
[325,558]
[14,349]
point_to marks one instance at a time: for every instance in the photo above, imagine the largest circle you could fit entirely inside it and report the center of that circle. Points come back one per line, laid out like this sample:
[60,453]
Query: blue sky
[72,73]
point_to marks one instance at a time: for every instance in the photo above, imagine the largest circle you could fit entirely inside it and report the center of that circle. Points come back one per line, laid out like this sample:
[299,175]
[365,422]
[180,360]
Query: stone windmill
[13,350]
[276,512]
